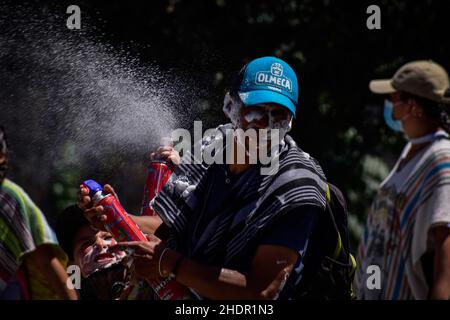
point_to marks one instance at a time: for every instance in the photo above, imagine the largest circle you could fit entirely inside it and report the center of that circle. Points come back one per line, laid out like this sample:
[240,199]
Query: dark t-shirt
[294,230]
[223,196]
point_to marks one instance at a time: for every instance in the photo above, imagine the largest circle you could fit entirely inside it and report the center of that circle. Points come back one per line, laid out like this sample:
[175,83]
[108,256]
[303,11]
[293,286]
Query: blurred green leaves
[65,178]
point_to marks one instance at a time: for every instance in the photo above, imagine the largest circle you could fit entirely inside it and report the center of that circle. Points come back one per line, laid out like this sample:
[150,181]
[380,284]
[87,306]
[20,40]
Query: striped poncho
[298,181]
[409,203]
[23,228]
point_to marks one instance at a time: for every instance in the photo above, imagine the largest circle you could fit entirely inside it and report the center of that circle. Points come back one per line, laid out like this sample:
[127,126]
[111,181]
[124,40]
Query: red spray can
[158,173]
[118,222]
[123,228]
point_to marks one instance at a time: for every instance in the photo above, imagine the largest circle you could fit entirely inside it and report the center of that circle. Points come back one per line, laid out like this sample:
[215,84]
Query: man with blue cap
[231,232]
[268,89]
[267,80]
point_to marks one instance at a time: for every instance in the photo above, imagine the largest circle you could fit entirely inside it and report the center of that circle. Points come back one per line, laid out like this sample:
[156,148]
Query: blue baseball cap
[269,80]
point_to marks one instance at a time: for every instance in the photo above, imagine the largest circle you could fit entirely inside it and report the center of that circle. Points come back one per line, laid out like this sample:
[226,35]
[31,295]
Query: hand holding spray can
[123,228]
[118,222]
[158,173]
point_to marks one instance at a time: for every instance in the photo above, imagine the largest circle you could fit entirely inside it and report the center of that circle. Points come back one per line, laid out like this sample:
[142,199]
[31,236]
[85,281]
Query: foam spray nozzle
[93,187]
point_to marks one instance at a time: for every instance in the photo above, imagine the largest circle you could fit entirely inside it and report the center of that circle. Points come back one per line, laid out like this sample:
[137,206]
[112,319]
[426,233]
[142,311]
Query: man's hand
[166,153]
[146,256]
[93,213]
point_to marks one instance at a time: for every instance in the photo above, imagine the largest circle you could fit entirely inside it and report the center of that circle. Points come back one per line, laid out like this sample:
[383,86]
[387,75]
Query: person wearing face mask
[407,233]
[103,266]
[226,231]
[32,264]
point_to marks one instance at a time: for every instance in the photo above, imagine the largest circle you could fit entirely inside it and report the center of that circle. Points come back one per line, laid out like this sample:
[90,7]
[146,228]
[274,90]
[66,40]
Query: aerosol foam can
[118,222]
[123,228]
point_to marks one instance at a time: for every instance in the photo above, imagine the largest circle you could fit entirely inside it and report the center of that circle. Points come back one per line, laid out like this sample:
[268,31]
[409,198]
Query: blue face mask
[395,125]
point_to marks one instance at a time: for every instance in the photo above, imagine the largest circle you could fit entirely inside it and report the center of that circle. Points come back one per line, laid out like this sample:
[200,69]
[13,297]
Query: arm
[259,283]
[148,224]
[271,265]
[52,270]
[270,268]
[94,214]
[441,272]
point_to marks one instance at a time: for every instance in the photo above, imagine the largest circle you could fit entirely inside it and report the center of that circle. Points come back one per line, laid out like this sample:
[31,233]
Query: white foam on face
[284,126]
[254,115]
[89,263]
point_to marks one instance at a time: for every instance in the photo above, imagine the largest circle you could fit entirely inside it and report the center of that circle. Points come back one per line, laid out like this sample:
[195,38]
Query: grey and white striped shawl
[299,181]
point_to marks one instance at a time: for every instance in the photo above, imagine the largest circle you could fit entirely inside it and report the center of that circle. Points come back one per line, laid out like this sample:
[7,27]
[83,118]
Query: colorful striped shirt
[409,203]
[23,228]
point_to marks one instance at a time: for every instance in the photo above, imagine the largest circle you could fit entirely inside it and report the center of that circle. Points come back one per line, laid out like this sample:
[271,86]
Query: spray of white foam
[71,88]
